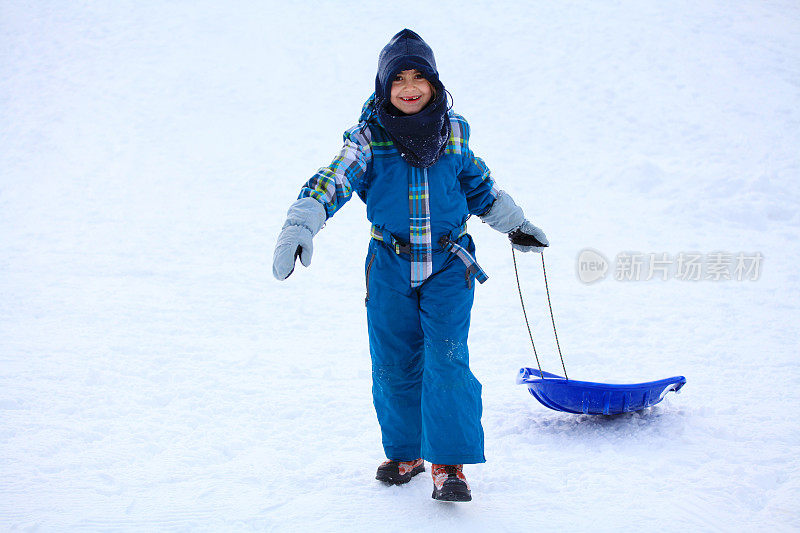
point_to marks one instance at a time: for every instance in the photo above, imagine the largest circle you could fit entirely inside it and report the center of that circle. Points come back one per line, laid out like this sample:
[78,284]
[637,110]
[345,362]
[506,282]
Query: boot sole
[453,490]
[450,496]
[399,480]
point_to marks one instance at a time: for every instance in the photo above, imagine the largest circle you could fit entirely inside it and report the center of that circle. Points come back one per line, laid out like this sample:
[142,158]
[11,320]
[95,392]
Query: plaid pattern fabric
[472,265]
[459,144]
[334,185]
[419,226]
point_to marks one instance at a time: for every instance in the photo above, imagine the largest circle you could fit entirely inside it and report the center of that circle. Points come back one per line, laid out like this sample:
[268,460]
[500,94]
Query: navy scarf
[421,138]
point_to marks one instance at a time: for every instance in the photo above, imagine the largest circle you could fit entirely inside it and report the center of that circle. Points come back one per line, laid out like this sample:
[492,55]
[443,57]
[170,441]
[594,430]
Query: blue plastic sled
[585,397]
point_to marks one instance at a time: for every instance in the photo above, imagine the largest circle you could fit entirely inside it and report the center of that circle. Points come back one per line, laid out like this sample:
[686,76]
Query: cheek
[394,95]
[427,92]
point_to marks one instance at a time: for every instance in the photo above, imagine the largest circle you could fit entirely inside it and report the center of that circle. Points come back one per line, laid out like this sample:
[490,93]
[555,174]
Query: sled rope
[525,315]
[553,320]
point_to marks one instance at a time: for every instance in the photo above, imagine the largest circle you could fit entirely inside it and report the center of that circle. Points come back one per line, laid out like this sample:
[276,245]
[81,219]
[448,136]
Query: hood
[405,51]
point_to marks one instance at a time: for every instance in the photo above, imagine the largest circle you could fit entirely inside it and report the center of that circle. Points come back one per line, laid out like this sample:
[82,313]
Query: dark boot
[399,472]
[449,484]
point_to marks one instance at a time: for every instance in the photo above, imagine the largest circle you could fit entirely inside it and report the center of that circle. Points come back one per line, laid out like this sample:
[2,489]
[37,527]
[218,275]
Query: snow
[154,376]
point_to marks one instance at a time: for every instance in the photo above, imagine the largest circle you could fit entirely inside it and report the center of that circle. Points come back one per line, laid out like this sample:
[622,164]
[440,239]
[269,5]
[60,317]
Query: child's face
[411,92]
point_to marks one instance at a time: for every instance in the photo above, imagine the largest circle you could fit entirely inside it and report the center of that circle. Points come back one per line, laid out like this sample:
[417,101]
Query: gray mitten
[507,217]
[305,218]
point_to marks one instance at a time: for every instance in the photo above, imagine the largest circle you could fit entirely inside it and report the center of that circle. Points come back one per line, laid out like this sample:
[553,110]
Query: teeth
[410,98]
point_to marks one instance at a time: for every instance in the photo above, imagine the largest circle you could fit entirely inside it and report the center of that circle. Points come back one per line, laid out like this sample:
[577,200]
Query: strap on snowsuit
[447,242]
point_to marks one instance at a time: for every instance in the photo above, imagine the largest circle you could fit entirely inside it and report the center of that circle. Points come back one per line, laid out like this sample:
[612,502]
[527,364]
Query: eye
[419,76]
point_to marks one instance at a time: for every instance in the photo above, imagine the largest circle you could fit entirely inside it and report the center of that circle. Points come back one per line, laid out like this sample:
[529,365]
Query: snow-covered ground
[154,376]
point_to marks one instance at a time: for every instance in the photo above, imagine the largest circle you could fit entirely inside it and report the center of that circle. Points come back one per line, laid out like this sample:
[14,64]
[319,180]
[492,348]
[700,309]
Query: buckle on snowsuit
[473,268]
[399,247]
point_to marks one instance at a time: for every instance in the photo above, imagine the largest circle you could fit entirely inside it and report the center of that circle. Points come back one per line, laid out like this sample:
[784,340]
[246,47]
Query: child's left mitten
[305,218]
[528,238]
[507,217]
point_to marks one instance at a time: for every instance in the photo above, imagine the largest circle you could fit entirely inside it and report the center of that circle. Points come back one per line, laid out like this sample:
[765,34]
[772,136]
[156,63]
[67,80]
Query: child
[409,160]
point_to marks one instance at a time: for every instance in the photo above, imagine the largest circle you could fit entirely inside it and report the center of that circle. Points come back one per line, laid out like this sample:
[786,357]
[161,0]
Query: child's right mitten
[305,218]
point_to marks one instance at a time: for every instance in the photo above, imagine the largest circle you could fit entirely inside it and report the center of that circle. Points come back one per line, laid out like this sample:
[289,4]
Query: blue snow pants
[427,400]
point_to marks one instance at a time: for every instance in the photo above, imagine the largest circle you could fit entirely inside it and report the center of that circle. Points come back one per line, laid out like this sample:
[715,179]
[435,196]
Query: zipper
[369,267]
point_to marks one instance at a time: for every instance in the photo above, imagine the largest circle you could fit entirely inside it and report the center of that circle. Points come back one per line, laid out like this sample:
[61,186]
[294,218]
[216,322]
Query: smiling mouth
[410,98]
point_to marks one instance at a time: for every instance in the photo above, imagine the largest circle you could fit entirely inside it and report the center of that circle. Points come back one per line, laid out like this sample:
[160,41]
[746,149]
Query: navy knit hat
[421,138]
[405,51]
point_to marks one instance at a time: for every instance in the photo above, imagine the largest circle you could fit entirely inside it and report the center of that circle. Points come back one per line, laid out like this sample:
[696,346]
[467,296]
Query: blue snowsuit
[427,400]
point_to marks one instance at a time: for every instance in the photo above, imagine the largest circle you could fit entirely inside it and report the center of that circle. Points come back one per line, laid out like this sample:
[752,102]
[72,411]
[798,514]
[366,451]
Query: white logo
[592,266]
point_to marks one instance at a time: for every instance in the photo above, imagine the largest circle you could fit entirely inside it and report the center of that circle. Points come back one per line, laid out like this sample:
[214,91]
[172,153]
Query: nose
[406,82]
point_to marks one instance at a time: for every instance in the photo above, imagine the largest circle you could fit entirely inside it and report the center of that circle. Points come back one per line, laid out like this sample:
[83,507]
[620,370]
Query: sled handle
[527,375]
